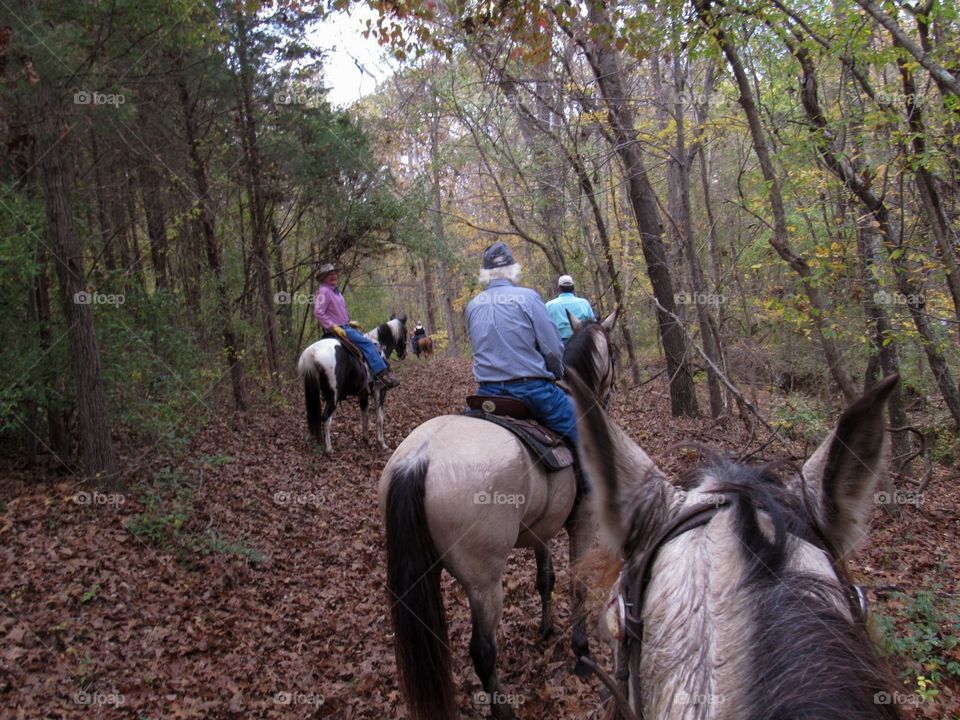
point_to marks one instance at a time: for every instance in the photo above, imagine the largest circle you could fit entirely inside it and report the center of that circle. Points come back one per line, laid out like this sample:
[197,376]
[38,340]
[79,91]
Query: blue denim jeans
[548,404]
[368,347]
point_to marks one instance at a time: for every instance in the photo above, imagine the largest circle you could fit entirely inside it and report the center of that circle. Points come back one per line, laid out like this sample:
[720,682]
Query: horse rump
[316,388]
[425,346]
[413,580]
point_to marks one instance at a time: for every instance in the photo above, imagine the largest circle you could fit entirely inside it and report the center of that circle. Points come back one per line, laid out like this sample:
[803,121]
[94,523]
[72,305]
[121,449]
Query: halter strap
[639,568]
[631,591]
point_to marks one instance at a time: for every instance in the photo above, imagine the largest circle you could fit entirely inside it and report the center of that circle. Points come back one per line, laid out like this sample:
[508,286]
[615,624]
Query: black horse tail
[312,383]
[413,579]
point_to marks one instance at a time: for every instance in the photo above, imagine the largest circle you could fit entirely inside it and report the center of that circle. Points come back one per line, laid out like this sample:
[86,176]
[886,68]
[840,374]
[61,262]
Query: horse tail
[413,579]
[315,387]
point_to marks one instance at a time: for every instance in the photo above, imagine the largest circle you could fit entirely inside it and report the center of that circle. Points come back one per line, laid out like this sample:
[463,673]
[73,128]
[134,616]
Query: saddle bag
[548,447]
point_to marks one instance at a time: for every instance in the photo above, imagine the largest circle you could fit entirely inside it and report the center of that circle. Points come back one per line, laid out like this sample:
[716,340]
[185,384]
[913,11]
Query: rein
[626,625]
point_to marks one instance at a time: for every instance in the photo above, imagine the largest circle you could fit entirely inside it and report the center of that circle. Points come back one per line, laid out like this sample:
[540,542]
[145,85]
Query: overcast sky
[354,64]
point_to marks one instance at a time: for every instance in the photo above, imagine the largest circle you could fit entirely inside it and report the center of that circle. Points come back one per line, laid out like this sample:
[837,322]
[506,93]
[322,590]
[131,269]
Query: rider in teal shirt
[565,302]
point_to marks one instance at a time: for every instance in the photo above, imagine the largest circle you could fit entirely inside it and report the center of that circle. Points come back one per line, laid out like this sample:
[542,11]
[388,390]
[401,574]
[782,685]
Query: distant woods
[172,178]
[769,192]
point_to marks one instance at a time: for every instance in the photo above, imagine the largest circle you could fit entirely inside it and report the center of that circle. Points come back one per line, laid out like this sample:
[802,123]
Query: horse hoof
[547,632]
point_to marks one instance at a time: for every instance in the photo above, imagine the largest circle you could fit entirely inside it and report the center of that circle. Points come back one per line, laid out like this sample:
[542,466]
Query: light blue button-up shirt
[512,335]
[579,307]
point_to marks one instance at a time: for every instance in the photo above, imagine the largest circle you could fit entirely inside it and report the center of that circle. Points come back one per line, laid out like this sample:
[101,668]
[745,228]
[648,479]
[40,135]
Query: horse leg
[364,419]
[546,579]
[379,396]
[486,606]
[581,532]
[328,409]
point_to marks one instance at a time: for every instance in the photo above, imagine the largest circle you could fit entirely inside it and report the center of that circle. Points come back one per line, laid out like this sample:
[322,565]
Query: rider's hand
[338,331]
[355,325]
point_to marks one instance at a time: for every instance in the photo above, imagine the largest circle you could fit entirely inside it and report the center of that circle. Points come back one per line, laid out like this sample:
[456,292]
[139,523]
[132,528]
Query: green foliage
[929,637]
[169,521]
[801,419]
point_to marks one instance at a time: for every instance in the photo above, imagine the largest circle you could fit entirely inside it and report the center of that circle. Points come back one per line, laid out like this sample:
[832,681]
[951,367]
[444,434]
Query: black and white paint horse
[391,336]
[733,600]
[332,373]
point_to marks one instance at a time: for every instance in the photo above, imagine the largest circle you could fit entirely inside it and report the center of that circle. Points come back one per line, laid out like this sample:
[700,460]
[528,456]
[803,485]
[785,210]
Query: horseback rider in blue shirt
[566,302]
[517,350]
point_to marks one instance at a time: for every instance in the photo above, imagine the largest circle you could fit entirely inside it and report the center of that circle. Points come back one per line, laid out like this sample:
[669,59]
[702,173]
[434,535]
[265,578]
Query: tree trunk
[257,211]
[96,444]
[58,434]
[151,195]
[429,282]
[606,69]
[284,312]
[851,172]
[780,237]
[209,229]
[107,232]
[884,339]
[927,187]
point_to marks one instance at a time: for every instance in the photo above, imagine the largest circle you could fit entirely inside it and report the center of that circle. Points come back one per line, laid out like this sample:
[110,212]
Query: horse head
[591,354]
[733,598]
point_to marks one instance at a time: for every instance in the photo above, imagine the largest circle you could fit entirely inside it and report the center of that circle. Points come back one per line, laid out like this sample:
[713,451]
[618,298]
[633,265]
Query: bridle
[624,613]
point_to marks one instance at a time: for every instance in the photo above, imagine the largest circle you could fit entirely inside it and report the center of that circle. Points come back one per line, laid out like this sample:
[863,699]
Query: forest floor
[244,577]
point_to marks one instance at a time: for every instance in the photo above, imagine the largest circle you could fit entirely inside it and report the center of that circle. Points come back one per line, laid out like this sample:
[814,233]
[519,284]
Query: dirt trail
[248,580]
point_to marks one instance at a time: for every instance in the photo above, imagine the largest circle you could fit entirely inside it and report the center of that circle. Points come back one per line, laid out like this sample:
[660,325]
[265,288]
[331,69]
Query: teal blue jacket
[579,307]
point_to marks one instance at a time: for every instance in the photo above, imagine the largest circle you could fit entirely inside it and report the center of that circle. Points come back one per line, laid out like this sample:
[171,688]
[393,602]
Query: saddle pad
[549,448]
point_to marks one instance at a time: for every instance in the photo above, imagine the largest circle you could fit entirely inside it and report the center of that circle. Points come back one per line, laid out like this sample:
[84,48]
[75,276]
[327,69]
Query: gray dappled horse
[460,493]
[331,373]
[733,601]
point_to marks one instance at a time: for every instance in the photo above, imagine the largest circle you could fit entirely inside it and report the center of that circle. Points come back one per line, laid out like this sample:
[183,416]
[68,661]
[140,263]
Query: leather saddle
[347,345]
[547,446]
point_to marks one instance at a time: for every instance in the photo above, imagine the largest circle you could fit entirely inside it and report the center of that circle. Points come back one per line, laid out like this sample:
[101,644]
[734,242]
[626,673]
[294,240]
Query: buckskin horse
[460,493]
[733,600]
[332,372]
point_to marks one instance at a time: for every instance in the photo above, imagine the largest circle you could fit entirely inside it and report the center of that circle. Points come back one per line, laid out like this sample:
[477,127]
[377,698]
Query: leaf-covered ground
[245,577]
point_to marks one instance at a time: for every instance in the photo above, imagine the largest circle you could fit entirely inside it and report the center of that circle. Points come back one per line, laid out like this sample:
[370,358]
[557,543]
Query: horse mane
[578,353]
[795,623]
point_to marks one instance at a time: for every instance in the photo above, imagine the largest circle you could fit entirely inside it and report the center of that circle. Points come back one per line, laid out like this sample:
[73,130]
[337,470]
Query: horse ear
[574,322]
[841,476]
[402,318]
[610,319]
[630,488]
